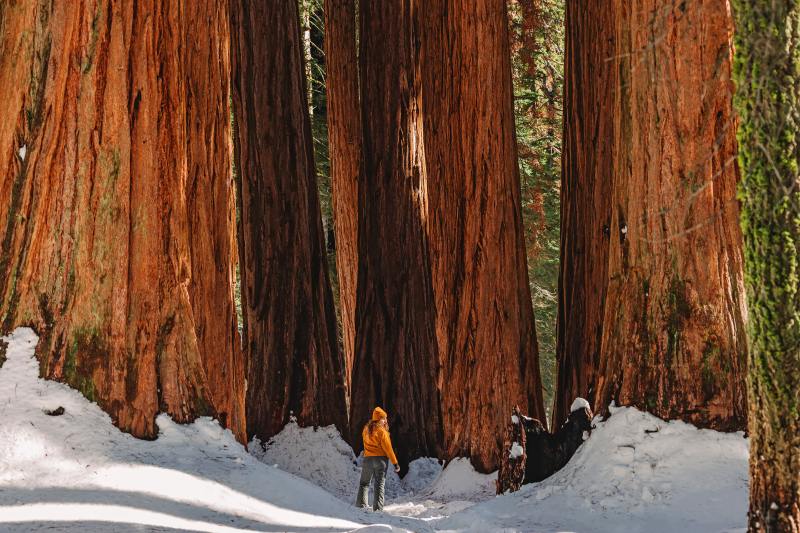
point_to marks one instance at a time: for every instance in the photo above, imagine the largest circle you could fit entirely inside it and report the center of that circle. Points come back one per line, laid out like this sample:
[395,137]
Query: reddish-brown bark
[294,364]
[117,221]
[344,135]
[670,337]
[395,352]
[444,333]
[586,162]
[472,215]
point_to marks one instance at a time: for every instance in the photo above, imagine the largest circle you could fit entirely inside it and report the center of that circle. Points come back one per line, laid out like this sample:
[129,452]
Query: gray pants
[372,468]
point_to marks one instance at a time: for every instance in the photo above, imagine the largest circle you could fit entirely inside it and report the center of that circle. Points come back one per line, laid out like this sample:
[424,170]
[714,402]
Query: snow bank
[321,456]
[635,473]
[77,472]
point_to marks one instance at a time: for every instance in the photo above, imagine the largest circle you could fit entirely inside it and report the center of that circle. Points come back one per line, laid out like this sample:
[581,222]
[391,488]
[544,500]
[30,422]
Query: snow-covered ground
[77,472]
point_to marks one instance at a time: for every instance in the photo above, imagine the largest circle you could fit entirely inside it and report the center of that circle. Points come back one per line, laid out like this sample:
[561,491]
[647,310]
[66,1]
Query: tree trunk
[472,214]
[117,210]
[766,71]
[344,134]
[671,336]
[395,352]
[444,332]
[511,472]
[590,85]
[294,364]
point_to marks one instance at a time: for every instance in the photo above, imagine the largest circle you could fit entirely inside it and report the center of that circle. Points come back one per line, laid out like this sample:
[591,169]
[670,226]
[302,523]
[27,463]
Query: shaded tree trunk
[485,331]
[590,85]
[766,71]
[117,206]
[444,323]
[671,337]
[344,134]
[396,358]
[294,364]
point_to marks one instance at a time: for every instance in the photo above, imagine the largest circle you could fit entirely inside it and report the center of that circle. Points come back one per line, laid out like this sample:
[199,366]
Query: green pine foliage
[537,41]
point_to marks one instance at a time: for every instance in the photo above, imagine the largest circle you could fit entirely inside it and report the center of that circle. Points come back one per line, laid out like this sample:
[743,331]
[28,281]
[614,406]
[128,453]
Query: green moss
[3,348]
[110,164]
[85,352]
[651,400]
[678,312]
[10,296]
[766,69]
[70,288]
[89,59]
[711,354]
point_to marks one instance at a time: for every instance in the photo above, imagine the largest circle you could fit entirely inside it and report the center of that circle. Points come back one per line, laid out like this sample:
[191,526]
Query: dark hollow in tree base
[531,453]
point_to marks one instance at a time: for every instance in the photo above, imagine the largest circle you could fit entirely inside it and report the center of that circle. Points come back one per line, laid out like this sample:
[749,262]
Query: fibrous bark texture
[344,135]
[294,364]
[767,101]
[653,310]
[472,215]
[589,89]
[444,332]
[395,352]
[117,205]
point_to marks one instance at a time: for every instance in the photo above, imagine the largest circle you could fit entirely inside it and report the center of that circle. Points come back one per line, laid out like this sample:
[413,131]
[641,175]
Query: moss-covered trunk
[294,363]
[116,204]
[767,75]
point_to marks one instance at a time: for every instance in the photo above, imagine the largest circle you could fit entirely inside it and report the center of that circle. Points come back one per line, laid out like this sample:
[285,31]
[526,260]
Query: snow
[23,151]
[77,472]
[678,478]
[578,404]
[516,451]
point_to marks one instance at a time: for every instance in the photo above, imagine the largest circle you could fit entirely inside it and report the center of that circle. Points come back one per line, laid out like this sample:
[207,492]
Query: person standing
[378,453]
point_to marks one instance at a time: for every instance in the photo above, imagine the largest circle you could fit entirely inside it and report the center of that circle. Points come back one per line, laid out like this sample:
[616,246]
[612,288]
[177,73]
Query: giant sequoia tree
[767,100]
[294,364]
[472,215]
[444,324]
[589,88]
[116,204]
[395,352]
[652,310]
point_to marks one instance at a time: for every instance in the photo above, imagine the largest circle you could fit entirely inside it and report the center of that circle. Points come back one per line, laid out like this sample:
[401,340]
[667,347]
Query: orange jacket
[379,444]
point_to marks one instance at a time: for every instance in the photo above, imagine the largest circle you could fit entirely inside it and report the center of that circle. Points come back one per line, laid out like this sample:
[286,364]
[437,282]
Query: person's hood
[378,413]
